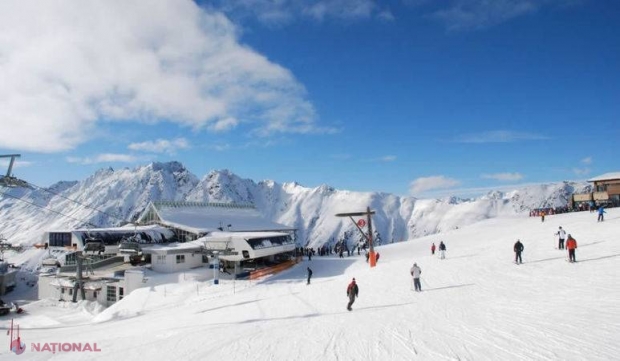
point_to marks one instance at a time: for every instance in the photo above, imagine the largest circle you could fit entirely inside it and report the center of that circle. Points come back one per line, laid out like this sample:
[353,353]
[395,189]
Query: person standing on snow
[433,249]
[518,248]
[571,246]
[416,272]
[352,292]
[442,250]
[309,275]
[601,211]
[561,237]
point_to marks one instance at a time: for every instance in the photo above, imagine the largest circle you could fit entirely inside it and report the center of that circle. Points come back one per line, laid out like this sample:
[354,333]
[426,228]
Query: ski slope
[475,305]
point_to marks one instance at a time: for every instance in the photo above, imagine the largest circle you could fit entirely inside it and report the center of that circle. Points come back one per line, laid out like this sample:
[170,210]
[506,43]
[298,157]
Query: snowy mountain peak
[110,197]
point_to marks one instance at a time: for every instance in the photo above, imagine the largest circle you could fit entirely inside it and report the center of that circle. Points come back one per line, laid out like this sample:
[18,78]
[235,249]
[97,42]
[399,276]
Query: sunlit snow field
[475,305]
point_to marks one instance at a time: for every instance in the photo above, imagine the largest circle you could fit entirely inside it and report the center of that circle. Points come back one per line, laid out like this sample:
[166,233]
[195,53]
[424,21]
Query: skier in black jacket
[309,275]
[518,248]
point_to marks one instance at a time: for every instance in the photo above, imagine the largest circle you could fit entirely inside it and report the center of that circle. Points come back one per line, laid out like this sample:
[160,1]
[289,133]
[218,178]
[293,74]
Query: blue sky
[413,97]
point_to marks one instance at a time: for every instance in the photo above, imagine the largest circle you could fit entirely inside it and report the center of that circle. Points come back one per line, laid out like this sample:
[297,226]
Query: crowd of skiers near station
[326,250]
[542,212]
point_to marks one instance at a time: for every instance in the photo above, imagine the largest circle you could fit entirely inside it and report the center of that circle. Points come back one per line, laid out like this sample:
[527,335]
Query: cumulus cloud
[498,136]
[504,177]
[104,158]
[424,184]
[161,145]
[67,65]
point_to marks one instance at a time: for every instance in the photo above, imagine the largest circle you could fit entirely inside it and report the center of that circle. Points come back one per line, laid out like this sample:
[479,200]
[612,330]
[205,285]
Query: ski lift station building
[203,228]
[173,237]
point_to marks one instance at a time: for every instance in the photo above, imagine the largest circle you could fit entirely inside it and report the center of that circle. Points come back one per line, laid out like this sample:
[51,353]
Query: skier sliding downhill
[352,291]
[416,272]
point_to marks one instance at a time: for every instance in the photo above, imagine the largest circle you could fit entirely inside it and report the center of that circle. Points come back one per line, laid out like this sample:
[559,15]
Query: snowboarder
[416,272]
[542,216]
[442,250]
[518,248]
[571,245]
[309,275]
[433,249]
[367,256]
[352,291]
[377,258]
[561,237]
[601,211]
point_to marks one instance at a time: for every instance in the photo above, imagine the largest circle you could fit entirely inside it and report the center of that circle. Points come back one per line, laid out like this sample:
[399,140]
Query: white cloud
[386,159]
[587,160]
[504,177]
[67,65]
[473,14]
[386,15]
[219,147]
[498,136]
[582,171]
[424,184]
[104,158]
[4,163]
[161,145]
[284,12]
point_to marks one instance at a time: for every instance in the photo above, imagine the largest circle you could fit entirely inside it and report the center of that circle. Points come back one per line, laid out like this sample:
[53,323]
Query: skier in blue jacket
[601,211]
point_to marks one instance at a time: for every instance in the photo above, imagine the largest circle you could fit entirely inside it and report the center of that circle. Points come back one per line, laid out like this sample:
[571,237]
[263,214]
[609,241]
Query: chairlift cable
[75,201]
[49,209]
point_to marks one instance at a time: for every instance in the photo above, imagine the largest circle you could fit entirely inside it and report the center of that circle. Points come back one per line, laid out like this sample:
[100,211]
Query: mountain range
[112,197]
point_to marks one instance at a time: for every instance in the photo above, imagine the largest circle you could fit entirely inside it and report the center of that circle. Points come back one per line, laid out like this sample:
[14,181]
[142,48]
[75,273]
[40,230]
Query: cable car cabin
[94,245]
[130,248]
[250,245]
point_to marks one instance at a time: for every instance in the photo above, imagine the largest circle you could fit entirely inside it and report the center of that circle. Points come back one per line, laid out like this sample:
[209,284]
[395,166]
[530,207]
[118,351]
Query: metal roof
[606,176]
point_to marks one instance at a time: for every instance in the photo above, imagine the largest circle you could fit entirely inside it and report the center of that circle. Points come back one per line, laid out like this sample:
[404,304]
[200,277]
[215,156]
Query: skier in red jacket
[571,246]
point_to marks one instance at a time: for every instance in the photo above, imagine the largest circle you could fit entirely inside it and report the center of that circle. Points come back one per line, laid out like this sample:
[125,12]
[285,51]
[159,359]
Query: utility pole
[8,180]
[79,283]
[372,255]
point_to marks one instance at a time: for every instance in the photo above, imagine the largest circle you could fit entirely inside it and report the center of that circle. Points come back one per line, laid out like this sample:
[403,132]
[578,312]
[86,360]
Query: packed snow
[476,304]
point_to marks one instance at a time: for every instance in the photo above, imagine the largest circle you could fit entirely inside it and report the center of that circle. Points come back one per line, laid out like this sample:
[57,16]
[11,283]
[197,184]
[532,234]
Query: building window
[95,294]
[180,258]
[120,293]
[70,291]
[62,290]
[161,259]
[111,294]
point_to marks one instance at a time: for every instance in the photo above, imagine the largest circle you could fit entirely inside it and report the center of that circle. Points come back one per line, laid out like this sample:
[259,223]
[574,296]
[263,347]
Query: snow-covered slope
[109,197]
[475,305]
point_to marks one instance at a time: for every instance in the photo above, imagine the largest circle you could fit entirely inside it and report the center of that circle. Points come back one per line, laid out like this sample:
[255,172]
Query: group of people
[442,250]
[571,246]
[416,271]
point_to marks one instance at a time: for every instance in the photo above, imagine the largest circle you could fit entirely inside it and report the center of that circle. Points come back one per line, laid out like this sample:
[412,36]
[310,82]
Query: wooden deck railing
[273,269]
